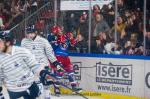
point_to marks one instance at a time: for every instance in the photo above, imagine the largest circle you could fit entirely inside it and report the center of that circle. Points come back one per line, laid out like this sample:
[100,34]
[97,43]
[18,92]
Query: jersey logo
[33,47]
[16,64]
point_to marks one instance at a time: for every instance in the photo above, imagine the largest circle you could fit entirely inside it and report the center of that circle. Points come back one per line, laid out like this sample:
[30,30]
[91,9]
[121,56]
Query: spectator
[96,10]
[99,43]
[117,49]
[12,11]
[81,45]
[109,46]
[120,28]
[33,5]
[82,28]
[82,33]
[121,7]
[128,50]
[147,36]
[99,25]
[108,13]
[71,22]
[133,46]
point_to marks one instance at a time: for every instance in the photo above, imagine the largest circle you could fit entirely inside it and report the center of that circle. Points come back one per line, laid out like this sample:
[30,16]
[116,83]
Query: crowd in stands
[13,12]
[126,37]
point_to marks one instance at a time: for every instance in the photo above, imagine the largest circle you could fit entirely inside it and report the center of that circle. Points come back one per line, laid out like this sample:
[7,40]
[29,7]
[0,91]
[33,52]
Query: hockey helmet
[69,34]
[30,29]
[55,29]
[7,36]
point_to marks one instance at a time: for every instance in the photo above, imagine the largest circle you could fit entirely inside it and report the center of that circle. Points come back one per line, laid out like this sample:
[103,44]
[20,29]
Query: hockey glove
[58,66]
[1,94]
[46,77]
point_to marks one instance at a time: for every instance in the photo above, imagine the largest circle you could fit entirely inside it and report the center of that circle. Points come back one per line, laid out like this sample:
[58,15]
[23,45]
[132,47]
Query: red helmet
[73,41]
[53,29]
[56,29]
[69,34]
[61,38]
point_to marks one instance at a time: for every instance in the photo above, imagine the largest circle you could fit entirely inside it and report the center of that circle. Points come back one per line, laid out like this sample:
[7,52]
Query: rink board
[113,77]
[100,95]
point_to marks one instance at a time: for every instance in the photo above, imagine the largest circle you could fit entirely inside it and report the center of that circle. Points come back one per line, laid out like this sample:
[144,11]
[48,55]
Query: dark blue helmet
[2,36]
[31,29]
[7,36]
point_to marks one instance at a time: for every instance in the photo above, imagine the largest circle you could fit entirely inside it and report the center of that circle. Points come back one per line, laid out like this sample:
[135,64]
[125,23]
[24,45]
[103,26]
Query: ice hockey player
[42,50]
[61,44]
[18,67]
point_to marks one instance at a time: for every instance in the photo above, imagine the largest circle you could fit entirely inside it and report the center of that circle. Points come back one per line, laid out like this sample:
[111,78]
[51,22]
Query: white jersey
[41,48]
[17,68]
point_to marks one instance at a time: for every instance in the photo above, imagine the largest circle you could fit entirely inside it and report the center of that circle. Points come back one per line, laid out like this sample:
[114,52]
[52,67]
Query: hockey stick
[58,79]
[74,91]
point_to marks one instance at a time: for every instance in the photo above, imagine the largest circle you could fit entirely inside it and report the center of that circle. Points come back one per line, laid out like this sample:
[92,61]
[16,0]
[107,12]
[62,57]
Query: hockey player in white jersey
[42,50]
[17,69]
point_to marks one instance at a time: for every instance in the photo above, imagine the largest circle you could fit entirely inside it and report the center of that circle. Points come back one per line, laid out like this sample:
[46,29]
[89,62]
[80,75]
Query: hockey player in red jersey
[60,46]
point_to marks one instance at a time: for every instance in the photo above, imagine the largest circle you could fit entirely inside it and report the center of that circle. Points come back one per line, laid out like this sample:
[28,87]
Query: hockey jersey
[41,48]
[17,68]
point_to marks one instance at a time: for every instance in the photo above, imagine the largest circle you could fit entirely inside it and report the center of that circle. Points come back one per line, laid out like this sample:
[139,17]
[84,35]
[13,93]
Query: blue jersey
[60,49]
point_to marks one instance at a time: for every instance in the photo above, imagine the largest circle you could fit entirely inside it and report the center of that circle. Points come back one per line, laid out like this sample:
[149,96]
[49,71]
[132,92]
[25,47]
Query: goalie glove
[1,94]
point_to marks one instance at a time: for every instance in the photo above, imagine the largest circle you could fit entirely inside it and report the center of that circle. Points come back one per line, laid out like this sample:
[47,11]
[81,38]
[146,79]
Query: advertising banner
[147,79]
[81,4]
[125,77]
